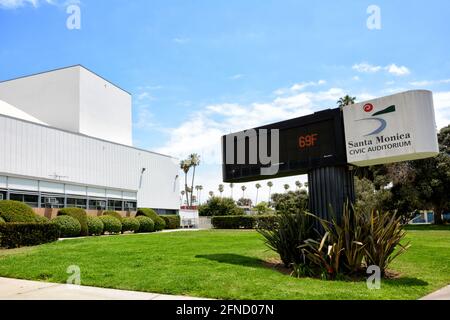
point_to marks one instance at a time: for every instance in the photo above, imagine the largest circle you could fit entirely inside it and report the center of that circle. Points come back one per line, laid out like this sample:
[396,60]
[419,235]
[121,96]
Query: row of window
[60,201]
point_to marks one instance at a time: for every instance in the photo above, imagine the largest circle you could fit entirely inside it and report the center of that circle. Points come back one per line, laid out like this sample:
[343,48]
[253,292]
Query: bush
[130,224]
[285,233]
[95,226]
[15,211]
[68,226]
[159,222]
[145,224]
[172,221]
[1,220]
[15,235]
[41,219]
[112,213]
[111,225]
[219,207]
[233,222]
[78,214]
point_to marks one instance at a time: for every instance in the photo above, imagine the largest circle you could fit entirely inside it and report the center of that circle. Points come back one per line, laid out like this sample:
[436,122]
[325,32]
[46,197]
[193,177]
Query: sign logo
[376,117]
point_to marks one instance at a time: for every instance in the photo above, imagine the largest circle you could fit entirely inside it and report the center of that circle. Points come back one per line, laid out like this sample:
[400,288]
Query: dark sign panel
[304,143]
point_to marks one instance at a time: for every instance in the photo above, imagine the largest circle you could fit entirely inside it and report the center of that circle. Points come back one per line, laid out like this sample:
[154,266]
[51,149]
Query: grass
[219,264]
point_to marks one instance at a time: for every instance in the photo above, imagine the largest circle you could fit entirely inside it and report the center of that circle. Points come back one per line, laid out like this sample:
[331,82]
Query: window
[29,199]
[76,203]
[115,205]
[2,195]
[97,204]
[49,201]
[130,206]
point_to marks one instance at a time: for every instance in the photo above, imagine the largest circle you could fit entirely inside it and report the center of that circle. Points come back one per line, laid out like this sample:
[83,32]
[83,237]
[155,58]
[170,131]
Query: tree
[243,202]
[270,185]
[287,187]
[185,165]
[291,202]
[306,184]
[182,196]
[194,161]
[257,186]
[211,194]
[199,188]
[220,207]
[298,184]
[263,208]
[221,189]
[231,187]
[243,188]
[346,101]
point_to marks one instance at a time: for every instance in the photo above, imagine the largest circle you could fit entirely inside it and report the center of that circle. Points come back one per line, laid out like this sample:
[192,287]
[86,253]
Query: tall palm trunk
[193,177]
[186,189]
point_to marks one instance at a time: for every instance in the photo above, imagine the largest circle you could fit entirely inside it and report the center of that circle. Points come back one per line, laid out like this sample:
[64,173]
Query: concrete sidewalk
[443,294]
[13,289]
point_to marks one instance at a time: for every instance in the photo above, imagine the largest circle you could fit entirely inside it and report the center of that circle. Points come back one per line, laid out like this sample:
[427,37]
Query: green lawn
[219,264]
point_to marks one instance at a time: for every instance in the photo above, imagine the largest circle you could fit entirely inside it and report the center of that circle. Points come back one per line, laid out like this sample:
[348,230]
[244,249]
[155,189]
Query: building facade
[65,141]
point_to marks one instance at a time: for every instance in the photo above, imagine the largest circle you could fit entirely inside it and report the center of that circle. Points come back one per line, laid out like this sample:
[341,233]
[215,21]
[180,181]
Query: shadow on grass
[428,227]
[235,259]
[406,282]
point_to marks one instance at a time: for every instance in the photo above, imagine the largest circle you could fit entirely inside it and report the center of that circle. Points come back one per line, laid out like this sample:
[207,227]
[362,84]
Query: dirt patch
[277,265]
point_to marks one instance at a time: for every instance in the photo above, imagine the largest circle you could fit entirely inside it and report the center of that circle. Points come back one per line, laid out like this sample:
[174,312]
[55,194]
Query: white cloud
[299,87]
[398,70]
[394,69]
[442,108]
[236,76]
[428,83]
[13,4]
[181,40]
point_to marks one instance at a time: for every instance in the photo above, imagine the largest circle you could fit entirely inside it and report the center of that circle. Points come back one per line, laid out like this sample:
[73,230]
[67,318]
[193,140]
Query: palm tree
[270,185]
[182,196]
[197,188]
[231,187]
[185,165]
[306,185]
[221,188]
[258,186]
[298,184]
[200,189]
[211,194]
[287,187]
[194,160]
[243,188]
[346,101]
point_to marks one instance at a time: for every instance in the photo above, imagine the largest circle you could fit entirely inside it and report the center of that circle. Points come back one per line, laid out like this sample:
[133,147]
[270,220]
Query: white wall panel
[114,194]
[32,150]
[2,182]
[95,192]
[76,190]
[22,184]
[51,187]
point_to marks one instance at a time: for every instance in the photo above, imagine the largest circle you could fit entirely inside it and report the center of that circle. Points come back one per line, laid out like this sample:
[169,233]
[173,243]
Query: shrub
[172,221]
[285,233]
[41,219]
[112,213]
[145,224]
[111,225]
[15,235]
[68,226]
[95,226]
[15,211]
[233,222]
[78,214]
[130,224]
[1,220]
[220,207]
[159,222]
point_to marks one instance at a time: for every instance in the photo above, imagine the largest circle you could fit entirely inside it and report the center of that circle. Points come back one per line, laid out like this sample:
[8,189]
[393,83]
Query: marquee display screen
[305,143]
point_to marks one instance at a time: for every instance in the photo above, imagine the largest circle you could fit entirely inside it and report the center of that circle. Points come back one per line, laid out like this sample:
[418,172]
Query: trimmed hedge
[16,235]
[15,211]
[78,214]
[172,221]
[242,222]
[1,220]
[130,224]
[95,226]
[111,225]
[41,219]
[145,224]
[68,226]
[159,222]
[113,213]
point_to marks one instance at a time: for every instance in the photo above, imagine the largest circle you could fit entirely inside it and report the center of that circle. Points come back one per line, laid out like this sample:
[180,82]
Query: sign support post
[329,190]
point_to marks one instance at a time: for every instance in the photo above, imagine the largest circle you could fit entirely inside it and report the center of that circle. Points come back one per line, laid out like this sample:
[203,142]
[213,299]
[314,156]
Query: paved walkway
[13,289]
[443,294]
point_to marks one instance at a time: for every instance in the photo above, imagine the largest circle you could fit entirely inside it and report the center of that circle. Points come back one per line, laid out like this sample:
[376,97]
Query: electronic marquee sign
[290,147]
[391,129]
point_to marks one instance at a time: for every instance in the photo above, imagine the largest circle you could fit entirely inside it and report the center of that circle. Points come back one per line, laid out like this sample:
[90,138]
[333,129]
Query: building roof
[11,111]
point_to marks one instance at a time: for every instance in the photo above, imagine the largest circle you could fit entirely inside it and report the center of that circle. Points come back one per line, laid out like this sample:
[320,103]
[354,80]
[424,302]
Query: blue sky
[199,69]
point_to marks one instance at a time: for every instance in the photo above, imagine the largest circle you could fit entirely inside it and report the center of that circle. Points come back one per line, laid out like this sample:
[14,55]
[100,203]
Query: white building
[66,140]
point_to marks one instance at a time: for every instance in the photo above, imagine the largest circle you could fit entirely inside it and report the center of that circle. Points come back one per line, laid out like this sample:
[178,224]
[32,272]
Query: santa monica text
[380,143]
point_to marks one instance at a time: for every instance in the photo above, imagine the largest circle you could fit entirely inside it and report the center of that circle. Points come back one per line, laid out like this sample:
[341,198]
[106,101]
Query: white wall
[105,110]
[73,99]
[35,151]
